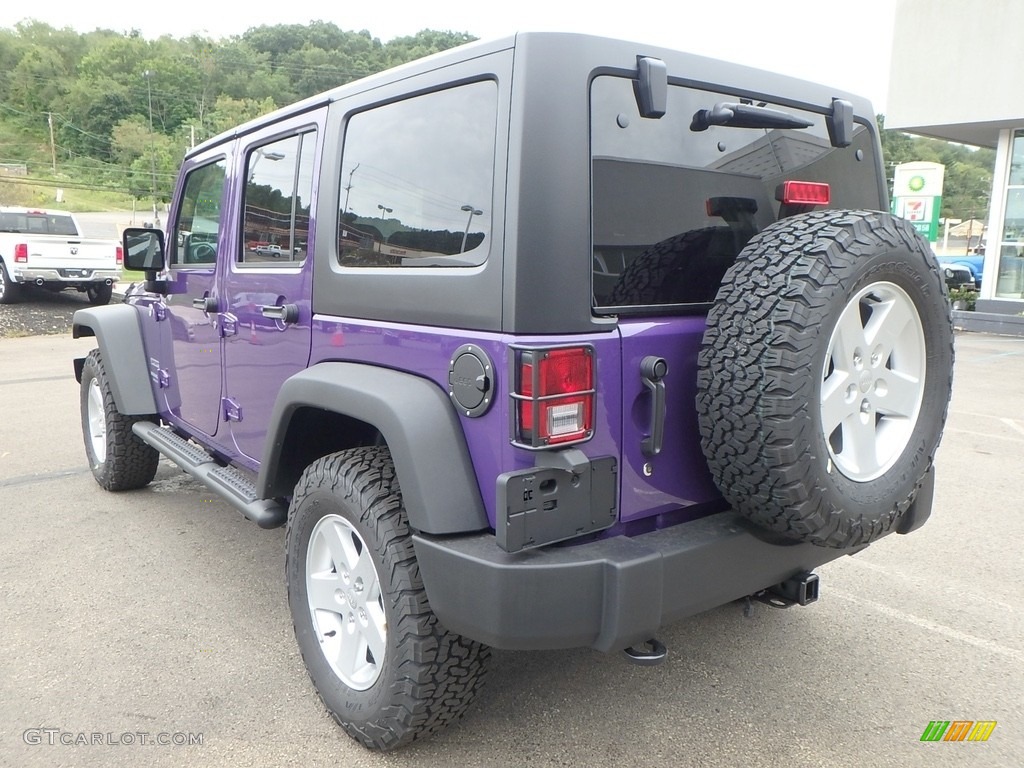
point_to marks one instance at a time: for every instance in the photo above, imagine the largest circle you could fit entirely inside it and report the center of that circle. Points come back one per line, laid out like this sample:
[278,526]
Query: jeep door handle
[653,371]
[206,303]
[286,313]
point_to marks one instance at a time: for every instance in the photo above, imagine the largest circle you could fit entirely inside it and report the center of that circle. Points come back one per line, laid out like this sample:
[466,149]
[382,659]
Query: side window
[194,235]
[278,189]
[417,181]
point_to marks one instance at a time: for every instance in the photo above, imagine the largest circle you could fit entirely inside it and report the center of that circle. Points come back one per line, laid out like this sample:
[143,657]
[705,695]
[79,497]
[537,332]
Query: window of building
[1010,276]
[276,204]
[417,181]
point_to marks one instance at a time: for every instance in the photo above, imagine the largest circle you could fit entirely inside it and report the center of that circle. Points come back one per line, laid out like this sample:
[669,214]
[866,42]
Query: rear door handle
[653,371]
[286,313]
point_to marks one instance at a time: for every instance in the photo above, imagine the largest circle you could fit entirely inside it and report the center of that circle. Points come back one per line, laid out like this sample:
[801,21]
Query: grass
[73,199]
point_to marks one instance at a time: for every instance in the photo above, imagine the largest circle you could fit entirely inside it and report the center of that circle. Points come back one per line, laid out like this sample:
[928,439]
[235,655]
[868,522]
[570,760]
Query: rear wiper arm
[745,116]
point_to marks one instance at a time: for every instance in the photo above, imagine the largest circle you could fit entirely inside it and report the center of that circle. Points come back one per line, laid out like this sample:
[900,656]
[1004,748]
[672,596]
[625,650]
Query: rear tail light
[803,193]
[21,253]
[554,396]
[120,255]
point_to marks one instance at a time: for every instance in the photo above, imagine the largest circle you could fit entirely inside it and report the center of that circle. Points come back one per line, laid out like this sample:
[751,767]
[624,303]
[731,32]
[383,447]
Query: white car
[269,249]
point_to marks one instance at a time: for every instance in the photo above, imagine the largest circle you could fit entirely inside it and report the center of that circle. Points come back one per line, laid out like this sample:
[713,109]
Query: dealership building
[955,71]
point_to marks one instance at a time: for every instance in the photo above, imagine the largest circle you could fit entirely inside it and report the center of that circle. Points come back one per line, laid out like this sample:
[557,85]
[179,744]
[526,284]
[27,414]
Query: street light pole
[469,220]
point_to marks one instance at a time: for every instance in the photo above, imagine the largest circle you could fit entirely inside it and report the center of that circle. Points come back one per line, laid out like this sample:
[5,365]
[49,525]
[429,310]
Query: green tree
[92,109]
[229,112]
[39,81]
[423,43]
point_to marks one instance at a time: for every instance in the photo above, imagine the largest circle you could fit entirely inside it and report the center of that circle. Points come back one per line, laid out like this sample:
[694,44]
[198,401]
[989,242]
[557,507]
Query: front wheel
[384,667]
[119,460]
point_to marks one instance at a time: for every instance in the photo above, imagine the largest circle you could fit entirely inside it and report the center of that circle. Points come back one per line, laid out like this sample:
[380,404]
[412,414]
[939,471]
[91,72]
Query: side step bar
[232,485]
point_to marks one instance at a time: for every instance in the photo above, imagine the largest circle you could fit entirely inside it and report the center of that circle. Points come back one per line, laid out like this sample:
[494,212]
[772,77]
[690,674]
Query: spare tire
[825,374]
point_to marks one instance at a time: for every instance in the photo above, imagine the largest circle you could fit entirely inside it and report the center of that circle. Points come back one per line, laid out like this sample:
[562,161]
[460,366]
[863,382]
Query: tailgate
[72,252]
[677,474]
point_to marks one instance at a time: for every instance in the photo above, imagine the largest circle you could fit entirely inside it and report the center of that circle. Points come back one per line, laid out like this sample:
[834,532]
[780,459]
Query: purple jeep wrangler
[565,339]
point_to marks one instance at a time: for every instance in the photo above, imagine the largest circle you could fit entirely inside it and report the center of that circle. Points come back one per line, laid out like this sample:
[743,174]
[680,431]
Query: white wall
[957,63]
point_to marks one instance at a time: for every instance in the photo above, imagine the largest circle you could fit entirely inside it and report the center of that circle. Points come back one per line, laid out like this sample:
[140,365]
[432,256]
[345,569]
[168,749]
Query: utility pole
[152,153]
[348,189]
[53,146]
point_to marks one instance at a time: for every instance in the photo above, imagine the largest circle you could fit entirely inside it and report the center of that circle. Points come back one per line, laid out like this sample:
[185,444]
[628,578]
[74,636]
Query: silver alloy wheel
[97,422]
[345,602]
[873,381]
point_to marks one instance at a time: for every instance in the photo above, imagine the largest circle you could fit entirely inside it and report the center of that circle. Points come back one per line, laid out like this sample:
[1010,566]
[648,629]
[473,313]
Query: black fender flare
[119,335]
[417,421]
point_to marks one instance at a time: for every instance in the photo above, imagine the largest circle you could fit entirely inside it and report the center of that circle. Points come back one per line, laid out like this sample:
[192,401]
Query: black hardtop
[590,50]
[537,275]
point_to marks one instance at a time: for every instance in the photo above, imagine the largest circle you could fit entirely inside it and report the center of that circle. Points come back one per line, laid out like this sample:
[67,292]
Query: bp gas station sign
[917,196]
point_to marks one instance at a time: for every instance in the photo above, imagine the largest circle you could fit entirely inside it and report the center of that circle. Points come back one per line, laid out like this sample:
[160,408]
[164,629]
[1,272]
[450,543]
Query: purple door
[267,283]
[198,244]
[675,476]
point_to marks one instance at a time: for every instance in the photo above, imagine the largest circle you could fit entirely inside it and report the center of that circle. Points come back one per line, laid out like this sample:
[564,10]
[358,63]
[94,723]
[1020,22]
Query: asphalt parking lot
[163,612]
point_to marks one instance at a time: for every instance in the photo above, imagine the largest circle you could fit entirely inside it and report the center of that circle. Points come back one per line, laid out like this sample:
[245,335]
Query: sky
[846,45]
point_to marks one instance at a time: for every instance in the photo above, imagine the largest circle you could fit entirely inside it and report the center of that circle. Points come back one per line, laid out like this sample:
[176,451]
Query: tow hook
[801,589]
[647,654]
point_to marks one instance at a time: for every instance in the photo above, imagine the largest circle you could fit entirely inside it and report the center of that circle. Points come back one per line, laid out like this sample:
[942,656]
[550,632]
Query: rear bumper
[69,276]
[608,594]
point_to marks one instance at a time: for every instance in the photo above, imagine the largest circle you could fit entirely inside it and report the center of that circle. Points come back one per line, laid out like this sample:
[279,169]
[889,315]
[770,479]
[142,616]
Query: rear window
[38,223]
[673,206]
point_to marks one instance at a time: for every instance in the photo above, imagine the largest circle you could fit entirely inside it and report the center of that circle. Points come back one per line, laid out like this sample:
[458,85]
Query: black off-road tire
[126,462]
[428,676]
[10,291]
[99,293]
[669,271]
[789,402]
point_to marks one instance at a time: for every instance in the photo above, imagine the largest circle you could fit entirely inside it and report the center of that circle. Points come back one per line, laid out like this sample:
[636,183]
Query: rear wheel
[10,291]
[99,293]
[825,375]
[384,667]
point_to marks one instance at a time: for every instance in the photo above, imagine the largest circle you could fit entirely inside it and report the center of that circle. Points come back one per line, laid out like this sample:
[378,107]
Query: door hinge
[232,410]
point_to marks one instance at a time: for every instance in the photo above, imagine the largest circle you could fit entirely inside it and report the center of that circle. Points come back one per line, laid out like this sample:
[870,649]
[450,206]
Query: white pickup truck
[46,248]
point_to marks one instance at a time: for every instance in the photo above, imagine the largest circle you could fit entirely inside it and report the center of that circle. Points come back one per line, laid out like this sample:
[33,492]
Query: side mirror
[143,249]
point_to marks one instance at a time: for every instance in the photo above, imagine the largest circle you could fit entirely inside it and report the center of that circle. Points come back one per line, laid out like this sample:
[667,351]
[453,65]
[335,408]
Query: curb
[988,322]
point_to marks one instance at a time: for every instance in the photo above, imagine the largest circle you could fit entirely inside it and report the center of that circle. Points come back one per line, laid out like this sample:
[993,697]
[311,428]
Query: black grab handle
[653,371]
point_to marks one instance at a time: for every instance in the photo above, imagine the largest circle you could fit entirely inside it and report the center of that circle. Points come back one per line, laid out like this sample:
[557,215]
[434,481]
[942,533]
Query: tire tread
[754,388]
[438,673]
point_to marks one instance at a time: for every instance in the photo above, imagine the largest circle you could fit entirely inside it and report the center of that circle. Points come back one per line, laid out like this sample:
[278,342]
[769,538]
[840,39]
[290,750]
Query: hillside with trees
[122,110]
[112,111]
